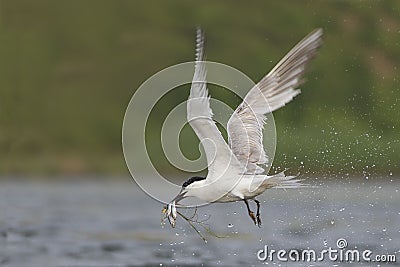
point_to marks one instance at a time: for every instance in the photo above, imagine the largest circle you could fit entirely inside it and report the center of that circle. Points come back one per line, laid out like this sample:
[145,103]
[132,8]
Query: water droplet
[332,221]
[342,209]
[384,230]
[230,225]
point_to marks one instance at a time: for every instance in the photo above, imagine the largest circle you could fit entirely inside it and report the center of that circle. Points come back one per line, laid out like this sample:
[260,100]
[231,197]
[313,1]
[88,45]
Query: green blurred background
[69,68]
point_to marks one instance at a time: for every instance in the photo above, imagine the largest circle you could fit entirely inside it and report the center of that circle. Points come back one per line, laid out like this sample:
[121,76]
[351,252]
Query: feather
[274,91]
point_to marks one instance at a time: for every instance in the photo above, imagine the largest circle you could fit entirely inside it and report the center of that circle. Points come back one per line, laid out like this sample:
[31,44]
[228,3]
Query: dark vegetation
[69,68]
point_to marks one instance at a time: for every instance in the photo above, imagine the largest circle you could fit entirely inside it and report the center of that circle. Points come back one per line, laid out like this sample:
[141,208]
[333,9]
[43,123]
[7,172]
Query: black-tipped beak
[179,197]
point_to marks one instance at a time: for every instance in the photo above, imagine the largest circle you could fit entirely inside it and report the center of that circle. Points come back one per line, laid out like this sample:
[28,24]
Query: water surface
[116,224]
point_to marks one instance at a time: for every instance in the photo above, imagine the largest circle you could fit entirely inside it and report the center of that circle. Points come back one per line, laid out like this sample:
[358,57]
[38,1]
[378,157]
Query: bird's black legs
[256,218]
[258,212]
[251,214]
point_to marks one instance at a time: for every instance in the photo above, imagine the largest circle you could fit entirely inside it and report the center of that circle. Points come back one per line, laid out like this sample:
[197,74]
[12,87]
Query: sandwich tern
[235,170]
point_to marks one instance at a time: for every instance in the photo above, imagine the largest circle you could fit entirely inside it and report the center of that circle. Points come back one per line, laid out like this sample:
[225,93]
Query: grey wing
[276,89]
[200,117]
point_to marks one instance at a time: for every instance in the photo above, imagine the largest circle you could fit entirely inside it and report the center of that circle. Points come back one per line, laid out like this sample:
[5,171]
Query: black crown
[192,180]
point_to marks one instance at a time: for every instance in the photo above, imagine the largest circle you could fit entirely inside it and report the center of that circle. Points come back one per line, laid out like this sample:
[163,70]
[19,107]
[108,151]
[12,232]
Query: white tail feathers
[280,180]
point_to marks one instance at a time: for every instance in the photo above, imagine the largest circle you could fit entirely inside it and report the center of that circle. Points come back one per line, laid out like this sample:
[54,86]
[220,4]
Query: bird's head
[188,186]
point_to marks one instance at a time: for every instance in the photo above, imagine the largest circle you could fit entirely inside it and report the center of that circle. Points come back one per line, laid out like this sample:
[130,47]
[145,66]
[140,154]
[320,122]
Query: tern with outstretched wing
[235,169]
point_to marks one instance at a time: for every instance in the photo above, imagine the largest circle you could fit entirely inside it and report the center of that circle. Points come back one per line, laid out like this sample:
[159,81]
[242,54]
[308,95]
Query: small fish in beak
[173,210]
[170,213]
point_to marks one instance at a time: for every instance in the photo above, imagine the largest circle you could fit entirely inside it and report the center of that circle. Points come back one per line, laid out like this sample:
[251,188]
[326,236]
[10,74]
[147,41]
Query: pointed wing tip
[318,31]
[199,44]
[314,36]
[317,34]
